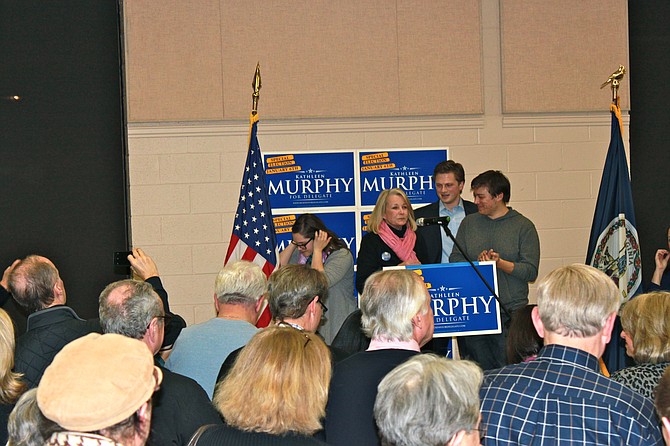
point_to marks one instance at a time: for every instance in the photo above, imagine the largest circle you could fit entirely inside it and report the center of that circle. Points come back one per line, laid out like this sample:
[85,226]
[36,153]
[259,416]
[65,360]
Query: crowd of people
[331,370]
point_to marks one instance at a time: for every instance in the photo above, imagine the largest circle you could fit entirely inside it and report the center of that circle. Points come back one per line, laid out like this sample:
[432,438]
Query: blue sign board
[462,304]
[309,180]
[409,169]
[341,223]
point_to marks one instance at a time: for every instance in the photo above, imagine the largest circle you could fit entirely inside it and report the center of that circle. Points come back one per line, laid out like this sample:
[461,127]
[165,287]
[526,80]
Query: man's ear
[666,424]
[457,439]
[312,305]
[420,319]
[216,304]
[537,322]
[607,328]
[58,291]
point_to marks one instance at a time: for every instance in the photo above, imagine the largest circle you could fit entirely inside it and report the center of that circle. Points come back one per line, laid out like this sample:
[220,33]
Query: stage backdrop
[342,187]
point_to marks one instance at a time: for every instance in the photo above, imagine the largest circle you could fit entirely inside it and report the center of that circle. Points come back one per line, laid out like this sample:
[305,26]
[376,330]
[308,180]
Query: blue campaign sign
[408,169]
[307,180]
[341,223]
[462,304]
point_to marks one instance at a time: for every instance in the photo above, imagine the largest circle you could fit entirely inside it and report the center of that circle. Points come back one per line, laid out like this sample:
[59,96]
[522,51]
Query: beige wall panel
[439,57]
[556,54]
[318,58]
[173,60]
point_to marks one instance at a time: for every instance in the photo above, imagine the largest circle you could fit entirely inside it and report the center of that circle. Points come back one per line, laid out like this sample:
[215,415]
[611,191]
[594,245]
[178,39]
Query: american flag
[253,236]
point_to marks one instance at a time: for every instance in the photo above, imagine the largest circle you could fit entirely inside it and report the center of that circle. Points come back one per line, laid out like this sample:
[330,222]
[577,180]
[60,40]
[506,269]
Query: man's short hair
[427,400]
[450,166]
[292,287]
[132,316]
[241,283]
[495,182]
[32,282]
[646,319]
[389,301]
[576,300]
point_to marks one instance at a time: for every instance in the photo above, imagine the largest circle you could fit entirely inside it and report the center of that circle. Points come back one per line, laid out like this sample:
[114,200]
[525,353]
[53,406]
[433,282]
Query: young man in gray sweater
[501,234]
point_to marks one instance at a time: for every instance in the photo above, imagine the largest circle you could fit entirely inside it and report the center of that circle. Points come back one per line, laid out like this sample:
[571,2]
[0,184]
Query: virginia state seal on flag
[618,255]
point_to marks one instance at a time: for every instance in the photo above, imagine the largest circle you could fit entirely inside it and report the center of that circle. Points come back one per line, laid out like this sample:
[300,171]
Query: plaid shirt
[561,398]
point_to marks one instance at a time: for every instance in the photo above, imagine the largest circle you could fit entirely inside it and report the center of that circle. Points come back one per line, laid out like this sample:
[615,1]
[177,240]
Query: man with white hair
[396,315]
[201,349]
[429,400]
[561,397]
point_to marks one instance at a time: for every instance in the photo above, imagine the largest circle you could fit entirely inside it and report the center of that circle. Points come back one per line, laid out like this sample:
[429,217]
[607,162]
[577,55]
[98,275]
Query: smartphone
[121,258]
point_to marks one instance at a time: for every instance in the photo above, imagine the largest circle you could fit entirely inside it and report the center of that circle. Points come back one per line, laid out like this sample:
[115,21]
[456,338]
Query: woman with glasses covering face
[315,245]
[276,392]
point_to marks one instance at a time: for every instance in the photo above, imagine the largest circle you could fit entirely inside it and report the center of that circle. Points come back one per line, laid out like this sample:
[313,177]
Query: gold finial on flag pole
[614,80]
[256,84]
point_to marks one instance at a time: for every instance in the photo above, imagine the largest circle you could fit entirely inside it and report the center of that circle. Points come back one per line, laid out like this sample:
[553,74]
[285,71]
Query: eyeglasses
[323,306]
[166,320]
[301,245]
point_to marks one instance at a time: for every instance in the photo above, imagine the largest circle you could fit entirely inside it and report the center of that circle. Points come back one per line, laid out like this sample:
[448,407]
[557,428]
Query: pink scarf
[403,247]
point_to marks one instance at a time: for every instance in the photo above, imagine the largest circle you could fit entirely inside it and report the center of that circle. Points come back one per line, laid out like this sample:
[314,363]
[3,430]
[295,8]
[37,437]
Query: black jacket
[180,407]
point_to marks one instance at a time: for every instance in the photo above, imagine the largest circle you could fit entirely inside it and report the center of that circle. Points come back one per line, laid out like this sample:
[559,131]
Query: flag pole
[256,85]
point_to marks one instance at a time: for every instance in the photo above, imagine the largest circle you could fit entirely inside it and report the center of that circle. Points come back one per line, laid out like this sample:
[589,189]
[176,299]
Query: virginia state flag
[614,246]
[253,236]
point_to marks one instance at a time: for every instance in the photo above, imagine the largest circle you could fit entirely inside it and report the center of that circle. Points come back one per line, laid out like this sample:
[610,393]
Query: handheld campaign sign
[462,304]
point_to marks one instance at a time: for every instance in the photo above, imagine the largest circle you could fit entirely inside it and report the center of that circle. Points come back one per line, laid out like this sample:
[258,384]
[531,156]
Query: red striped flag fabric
[253,236]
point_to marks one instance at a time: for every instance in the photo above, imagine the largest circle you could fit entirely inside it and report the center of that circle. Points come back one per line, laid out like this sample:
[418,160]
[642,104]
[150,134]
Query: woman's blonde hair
[378,212]
[646,319]
[278,384]
[11,386]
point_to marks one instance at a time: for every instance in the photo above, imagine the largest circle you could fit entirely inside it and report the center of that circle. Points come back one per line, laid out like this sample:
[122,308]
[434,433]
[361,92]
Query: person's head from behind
[523,343]
[396,307]
[27,426]
[394,208]
[11,385]
[278,384]
[240,283]
[449,179]
[576,301]
[304,230]
[35,284]
[101,384]
[298,292]
[132,308]
[645,321]
[662,403]
[429,400]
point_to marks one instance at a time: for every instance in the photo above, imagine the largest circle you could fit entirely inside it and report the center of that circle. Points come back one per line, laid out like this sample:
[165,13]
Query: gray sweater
[514,237]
